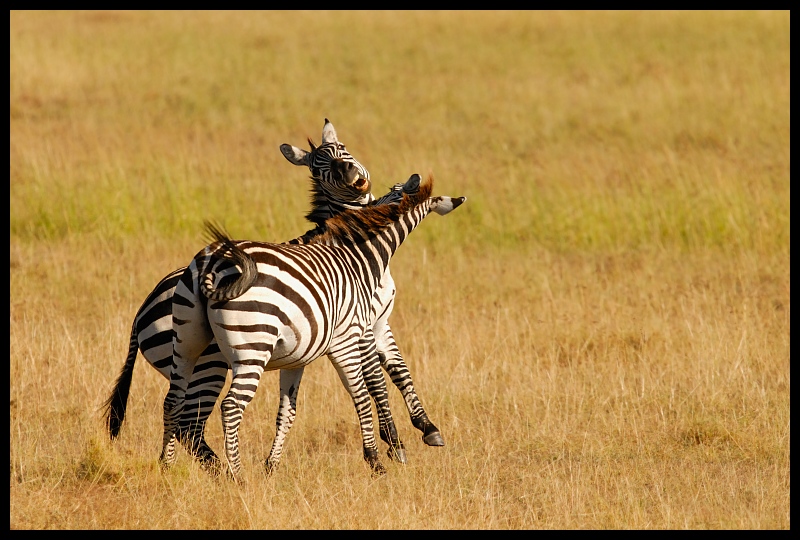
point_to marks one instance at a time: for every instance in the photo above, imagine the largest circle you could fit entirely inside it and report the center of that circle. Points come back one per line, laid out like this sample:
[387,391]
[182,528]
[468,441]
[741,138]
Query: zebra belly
[262,325]
[383,300]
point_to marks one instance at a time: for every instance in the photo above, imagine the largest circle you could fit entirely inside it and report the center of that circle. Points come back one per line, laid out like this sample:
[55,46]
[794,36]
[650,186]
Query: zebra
[280,306]
[339,182]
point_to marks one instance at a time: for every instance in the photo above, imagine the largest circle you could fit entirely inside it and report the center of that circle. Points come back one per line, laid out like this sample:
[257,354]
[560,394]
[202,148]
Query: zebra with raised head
[339,182]
[328,199]
[279,306]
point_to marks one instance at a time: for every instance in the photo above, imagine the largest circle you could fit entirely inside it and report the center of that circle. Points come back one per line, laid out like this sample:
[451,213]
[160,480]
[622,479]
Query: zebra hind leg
[287,410]
[208,379]
[392,361]
[244,383]
[397,450]
[349,369]
[431,435]
[195,443]
[174,404]
[171,414]
[376,386]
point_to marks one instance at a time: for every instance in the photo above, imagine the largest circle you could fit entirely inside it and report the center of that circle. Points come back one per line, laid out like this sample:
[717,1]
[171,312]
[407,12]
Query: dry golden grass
[601,332]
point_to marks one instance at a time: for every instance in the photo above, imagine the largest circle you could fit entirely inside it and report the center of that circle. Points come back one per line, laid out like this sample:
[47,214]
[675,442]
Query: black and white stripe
[335,187]
[300,302]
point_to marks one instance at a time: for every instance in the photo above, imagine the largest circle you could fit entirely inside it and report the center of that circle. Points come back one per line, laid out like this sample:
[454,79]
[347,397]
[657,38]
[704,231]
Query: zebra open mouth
[362,184]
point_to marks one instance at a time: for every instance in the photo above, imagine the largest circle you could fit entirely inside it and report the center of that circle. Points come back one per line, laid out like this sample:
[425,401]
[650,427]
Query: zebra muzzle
[361,184]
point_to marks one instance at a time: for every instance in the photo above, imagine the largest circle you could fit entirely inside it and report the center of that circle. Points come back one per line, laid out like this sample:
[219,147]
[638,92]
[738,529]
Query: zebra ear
[295,155]
[412,184]
[329,133]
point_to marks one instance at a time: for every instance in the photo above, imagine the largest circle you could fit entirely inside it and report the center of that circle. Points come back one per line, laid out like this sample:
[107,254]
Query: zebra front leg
[287,410]
[376,385]
[395,366]
[348,367]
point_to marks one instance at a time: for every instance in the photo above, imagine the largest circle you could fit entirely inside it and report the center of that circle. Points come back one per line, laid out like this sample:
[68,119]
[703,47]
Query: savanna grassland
[601,332]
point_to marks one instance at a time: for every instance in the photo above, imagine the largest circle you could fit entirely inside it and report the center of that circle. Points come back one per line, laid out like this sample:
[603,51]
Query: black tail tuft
[215,232]
[115,406]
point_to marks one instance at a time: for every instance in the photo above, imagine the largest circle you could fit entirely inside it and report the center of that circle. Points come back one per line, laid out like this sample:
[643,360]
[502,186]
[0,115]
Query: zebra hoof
[233,477]
[371,457]
[211,466]
[165,463]
[270,467]
[434,438]
[377,469]
[398,454]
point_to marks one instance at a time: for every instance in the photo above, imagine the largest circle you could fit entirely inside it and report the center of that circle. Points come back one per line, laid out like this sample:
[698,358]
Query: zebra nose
[345,171]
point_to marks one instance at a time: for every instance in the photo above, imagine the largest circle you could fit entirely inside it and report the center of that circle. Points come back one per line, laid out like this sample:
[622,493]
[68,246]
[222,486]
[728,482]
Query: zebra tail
[231,252]
[117,403]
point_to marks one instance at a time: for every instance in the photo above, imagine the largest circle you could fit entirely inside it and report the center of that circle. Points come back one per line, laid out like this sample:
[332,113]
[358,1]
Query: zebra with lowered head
[339,182]
[278,306]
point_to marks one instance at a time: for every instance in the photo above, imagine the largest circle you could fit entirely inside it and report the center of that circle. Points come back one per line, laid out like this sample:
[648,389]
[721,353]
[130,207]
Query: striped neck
[325,205]
[373,235]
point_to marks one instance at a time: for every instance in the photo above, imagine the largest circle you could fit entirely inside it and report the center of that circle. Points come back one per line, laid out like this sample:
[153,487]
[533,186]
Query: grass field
[601,332]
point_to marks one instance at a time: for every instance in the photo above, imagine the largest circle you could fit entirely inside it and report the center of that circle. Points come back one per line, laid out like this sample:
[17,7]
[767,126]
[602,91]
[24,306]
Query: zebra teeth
[361,184]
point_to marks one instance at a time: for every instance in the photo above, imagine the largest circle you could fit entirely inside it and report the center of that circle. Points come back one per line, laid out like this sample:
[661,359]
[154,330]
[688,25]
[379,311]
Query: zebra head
[338,178]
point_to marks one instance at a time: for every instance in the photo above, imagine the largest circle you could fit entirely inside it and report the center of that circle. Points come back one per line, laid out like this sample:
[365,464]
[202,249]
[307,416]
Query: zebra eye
[315,171]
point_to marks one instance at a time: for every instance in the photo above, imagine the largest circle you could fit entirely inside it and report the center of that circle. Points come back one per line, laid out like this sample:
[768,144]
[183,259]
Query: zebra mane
[351,224]
[323,208]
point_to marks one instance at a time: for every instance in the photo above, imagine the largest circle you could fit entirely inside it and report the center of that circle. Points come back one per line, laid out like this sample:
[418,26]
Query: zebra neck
[374,251]
[309,235]
[324,206]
